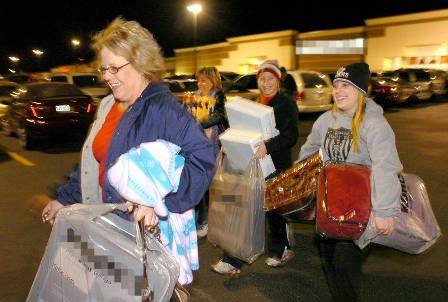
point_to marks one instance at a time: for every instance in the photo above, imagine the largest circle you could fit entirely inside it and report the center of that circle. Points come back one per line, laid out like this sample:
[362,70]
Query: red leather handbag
[343,201]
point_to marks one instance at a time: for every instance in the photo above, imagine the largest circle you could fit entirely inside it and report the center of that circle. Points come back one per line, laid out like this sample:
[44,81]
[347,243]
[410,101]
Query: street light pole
[195,34]
[76,44]
[38,53]
[195,9]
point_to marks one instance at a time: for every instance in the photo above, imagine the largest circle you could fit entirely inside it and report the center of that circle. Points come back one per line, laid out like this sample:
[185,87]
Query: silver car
[418,78]
[314,89]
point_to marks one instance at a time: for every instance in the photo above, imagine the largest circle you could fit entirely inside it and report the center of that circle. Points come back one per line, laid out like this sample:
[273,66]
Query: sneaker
[275,262]
[202,231]
[225,268]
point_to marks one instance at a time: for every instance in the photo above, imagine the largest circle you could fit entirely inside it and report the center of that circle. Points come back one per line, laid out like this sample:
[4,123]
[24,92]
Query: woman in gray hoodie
[355,131]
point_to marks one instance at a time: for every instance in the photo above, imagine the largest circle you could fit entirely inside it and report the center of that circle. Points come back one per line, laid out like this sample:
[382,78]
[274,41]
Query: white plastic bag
[236,217]
[94,256]
[416,228]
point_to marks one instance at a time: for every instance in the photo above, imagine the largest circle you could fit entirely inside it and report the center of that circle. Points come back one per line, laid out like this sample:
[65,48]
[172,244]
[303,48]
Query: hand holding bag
[343,201]
[416,227]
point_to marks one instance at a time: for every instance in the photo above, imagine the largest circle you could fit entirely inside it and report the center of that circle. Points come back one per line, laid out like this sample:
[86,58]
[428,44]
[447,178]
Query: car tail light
[89,108]
[34,111]
[39,111]
[385,89]
[299,96]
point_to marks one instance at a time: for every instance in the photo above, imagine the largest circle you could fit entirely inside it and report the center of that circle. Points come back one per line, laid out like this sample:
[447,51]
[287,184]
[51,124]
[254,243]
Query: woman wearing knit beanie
[355,131]
[279,147]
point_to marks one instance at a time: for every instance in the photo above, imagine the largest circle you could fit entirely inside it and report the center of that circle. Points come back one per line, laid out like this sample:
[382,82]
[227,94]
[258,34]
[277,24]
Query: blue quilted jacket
[155,115]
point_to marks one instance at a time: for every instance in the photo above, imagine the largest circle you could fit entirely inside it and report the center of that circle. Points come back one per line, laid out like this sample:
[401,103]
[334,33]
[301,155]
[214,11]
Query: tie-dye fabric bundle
[146,175]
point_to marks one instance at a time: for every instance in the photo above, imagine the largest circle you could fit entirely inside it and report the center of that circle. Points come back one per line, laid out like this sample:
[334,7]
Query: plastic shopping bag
[236,217]
[416,228]
[94,256]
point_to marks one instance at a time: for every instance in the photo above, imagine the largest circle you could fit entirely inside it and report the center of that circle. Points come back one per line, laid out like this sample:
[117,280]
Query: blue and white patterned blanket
[146,175]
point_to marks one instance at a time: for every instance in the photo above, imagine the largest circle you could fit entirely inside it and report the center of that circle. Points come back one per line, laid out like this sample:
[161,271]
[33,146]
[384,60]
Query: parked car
[90,83]
[6,88]
[228,76]
[439,81]
[418,78]
[19,78]
[231,90]
[387,92]
[314,89]
[41,110]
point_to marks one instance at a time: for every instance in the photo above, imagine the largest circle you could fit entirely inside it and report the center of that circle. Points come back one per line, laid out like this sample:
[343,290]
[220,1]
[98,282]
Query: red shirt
[102,140]
[266,100]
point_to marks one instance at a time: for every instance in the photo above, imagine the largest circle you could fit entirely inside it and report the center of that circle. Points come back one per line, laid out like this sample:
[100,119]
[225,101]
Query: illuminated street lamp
[195,9]
[14,59]
[38,52]
[76,42]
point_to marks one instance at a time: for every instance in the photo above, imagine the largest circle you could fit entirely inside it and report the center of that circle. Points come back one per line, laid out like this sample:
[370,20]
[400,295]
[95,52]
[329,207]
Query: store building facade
[412,40]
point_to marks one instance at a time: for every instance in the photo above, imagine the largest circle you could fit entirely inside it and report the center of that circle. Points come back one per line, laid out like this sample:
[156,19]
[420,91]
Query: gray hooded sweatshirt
[332,134]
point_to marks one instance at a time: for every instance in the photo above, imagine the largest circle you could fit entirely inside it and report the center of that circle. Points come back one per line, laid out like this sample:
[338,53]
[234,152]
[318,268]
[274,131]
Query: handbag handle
[342,218]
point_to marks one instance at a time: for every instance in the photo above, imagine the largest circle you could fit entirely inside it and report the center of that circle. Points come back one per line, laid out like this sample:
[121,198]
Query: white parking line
[21,159]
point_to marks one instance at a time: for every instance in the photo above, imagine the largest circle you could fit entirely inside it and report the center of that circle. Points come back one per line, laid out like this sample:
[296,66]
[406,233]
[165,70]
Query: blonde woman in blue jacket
[140,109]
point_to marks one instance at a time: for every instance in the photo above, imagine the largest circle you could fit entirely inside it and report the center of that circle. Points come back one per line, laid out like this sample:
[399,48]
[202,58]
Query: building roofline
[263,36]
[434,14]
[247,38]
[204,47]
[331,32]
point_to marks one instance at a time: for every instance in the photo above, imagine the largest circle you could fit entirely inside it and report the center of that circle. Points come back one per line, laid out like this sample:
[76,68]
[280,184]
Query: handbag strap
[144,233]
[342,218]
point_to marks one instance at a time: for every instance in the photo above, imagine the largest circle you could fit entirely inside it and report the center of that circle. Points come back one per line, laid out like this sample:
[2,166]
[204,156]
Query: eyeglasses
[111,69]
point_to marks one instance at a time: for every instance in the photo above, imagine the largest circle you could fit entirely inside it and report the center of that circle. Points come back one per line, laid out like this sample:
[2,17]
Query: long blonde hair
[135,43]
[356,120]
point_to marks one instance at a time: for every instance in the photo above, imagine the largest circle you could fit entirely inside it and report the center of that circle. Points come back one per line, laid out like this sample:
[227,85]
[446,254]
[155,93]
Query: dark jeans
[277,239]
[202,210]
[342,264]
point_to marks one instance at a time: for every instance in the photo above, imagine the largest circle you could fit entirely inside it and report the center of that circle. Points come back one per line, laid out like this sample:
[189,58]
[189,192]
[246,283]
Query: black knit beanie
[357,74]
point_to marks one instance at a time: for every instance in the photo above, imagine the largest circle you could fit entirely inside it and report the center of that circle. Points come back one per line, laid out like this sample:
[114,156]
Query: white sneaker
[275,262]
[225,268]
[202,231]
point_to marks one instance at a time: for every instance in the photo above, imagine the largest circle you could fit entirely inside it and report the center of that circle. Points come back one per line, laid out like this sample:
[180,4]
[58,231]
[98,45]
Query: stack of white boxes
[250,123]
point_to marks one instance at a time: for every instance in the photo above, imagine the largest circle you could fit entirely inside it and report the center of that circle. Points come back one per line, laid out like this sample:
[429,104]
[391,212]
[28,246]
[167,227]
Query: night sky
[50,25]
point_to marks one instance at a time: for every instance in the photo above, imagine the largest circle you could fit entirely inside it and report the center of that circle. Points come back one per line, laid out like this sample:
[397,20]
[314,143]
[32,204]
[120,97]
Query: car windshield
[190,85]
[48,91]
[183,86]
[19,78]
[422,76]
[6,90]
[247,81]
[87,81]
[312,80]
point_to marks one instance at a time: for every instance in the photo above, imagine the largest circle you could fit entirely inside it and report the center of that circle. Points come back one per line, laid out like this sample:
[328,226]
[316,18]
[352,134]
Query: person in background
[355,131]
[288,84]
[210,86]
[140,109]
[279,147]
